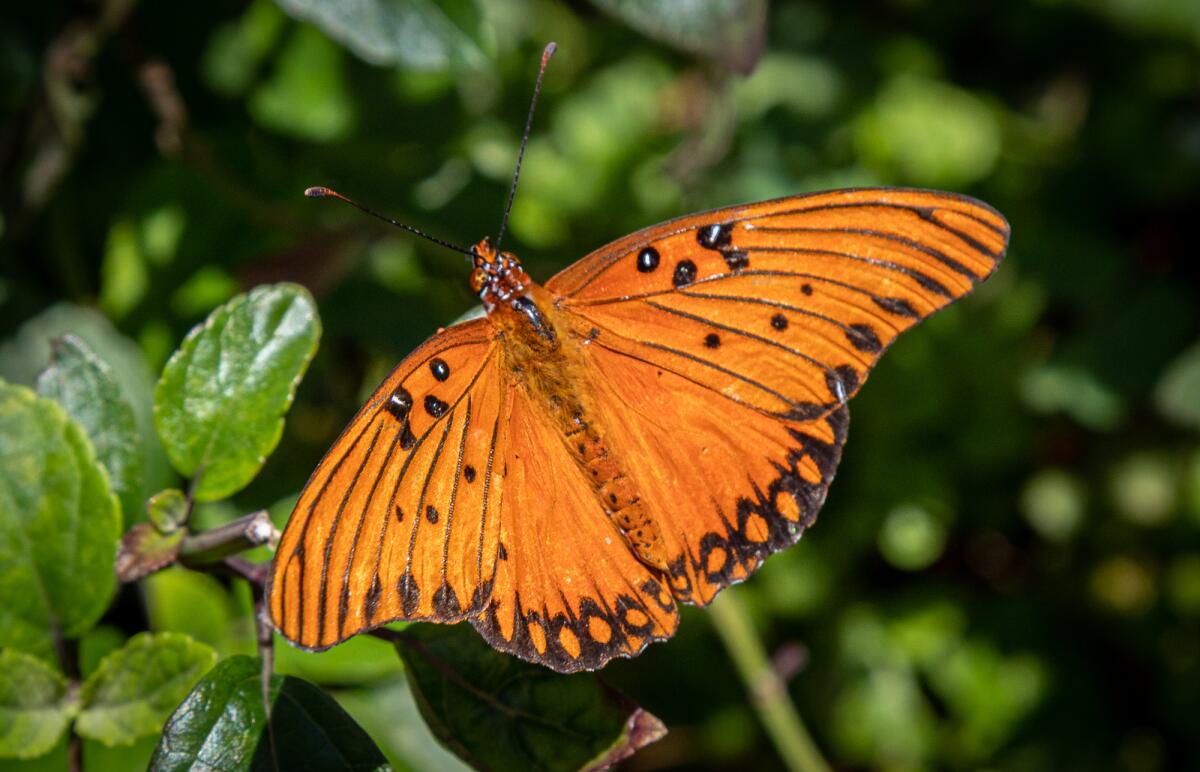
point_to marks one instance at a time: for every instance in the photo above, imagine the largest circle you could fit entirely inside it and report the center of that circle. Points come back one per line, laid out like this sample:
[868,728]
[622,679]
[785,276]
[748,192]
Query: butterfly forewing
[785,305]
[400,519]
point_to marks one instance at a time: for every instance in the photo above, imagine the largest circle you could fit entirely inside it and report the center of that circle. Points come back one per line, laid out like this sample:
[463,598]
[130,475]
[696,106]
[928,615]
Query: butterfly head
[498,276]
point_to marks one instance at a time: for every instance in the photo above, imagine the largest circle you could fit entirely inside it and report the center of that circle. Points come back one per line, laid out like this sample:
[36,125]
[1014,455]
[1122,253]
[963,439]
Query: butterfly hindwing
[727,484]
[400,519]
[568,592]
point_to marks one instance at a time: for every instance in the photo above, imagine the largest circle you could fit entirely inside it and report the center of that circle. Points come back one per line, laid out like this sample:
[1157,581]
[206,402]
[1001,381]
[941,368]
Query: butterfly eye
[479,280]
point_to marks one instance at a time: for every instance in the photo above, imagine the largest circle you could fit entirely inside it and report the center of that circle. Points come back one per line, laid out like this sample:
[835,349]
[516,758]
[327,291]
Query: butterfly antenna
[321,192]
[537,87]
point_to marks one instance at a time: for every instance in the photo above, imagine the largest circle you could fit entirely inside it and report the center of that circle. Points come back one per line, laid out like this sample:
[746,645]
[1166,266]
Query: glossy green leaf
[59,524]
[498,712]
[137,686]
[732,32]
[417,34]
[220,403]
[35,705]
[87,387]
[222,725]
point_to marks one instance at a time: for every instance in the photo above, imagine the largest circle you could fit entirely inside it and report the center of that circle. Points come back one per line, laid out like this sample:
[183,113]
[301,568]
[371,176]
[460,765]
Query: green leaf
[167,510]
[35,706]
[417,34]
[59,525]
[1177,394]
[87,387]
[220,403]
[928,132]
[731,31]
[360,660]
[222,725]
[497,712]
[307,96]
[25,355]
[137,686]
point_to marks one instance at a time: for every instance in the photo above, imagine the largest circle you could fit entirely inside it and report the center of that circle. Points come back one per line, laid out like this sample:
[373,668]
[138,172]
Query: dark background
[1007,571]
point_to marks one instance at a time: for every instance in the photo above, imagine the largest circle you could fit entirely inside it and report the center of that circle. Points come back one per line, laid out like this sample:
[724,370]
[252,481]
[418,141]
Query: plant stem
[247,532]
[68,658]
[768,693]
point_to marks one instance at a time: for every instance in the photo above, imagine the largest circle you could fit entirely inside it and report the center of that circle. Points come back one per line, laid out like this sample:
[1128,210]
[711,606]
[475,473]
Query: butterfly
[642,431]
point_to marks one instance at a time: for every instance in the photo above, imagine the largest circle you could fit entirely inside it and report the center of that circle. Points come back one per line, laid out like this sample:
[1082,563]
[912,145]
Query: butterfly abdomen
[545,368]
[617,493]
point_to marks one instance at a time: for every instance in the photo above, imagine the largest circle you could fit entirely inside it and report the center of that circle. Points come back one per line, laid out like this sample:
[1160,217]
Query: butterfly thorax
[543,354]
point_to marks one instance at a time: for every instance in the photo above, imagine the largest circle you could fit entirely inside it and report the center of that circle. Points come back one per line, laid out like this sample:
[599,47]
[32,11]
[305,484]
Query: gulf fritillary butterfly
[642,431]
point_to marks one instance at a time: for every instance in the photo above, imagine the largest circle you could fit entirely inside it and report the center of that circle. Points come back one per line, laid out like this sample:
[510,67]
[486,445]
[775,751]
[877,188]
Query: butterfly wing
[724,346]
[399,519]
[568,592]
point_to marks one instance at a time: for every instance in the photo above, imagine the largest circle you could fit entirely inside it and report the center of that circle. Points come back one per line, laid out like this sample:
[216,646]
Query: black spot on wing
[435,407]
[864,338]
[399,403]
[371,600]
[445,602]
[842,381]
[715,236]
[897,306]
[410,594]
[685,273]
[647,260]
[736,259]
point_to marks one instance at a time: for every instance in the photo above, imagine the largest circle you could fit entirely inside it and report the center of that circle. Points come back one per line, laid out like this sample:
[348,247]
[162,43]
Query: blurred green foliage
[1007,571]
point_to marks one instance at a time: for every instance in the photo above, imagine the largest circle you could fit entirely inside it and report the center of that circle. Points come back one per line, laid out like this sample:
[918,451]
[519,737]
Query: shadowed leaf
[418,34]
[88,389]
[498,712]
[732,32]
[222,725]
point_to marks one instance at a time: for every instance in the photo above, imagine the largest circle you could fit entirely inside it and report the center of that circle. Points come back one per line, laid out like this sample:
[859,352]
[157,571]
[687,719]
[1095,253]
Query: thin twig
[768,693]
[246,532]
[68,658]
[236,565]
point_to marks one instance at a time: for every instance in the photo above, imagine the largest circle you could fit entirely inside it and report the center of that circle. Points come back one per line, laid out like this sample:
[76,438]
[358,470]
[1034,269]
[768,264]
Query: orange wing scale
[400,519]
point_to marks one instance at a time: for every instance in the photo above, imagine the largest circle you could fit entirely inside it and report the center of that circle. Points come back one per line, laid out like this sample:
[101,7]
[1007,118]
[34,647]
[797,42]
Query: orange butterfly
[640,432]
